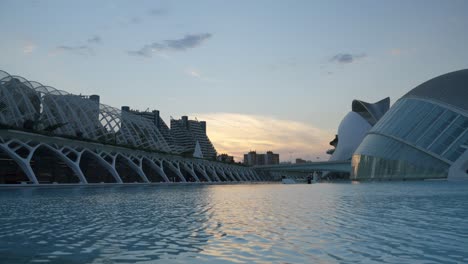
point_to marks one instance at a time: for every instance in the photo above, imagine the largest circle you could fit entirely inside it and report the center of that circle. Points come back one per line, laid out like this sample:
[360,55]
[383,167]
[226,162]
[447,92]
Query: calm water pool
[405,222]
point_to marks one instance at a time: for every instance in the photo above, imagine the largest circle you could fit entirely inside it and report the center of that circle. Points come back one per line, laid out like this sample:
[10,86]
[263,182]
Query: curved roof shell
[351,131]
[371,112]
[450,88]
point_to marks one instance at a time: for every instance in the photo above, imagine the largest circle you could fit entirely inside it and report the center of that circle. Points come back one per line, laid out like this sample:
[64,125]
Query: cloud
[284,63]
[29,48]
[135,20]
[187,42]
[395,52]
[83,50]
[157,12]
[143,52]
[193,73]
[236,134]
[95,39]
[346,58]
[199,76]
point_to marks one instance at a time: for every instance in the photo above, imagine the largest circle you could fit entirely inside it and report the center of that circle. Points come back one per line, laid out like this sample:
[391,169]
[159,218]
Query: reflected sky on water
[404,222]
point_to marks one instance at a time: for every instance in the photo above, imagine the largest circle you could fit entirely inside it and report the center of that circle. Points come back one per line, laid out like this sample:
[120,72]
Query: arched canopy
[31,105]
[450,88]
[371,112]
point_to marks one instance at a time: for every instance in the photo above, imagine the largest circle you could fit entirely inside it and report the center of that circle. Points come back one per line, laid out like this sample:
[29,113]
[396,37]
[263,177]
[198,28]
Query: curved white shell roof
[351,132]
[450,88]
[371,112]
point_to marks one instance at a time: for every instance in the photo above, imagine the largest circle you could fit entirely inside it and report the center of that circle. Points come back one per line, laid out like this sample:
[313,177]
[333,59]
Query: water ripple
[420,222]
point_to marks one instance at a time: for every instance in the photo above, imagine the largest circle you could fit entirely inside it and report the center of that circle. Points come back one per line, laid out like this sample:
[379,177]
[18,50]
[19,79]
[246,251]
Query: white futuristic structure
[51,136]
[355,126]
[24,102]
[423,136]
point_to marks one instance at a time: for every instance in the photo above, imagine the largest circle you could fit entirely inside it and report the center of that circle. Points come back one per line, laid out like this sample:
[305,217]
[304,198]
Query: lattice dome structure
[32,105]
[49,136]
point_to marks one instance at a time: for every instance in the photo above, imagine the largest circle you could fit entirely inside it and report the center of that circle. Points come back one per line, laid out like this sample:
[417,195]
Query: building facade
[187,133]
[302,161]
[254,159]
[30,105]
[155,118]
[49,136]
[250,158]
[424,135]
[271,158]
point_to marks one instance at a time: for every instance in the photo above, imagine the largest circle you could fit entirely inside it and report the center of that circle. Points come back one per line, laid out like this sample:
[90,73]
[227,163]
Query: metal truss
[22,152]
[32,106]
[26,103]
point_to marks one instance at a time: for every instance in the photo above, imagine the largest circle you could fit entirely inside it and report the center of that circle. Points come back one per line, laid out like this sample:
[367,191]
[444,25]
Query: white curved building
[424,135]
[49,136]
[31,105]
[354,127]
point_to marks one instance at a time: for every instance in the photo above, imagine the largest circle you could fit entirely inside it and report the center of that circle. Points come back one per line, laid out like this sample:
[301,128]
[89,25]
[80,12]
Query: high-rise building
[302,161]
[271,158]
[254,159]
[159,123]
[250,158]
[33,106]
[187,133]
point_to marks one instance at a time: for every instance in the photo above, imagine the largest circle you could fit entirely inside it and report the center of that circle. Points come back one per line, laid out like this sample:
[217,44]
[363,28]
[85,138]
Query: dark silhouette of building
[254,159]
[225,158]
[187,133]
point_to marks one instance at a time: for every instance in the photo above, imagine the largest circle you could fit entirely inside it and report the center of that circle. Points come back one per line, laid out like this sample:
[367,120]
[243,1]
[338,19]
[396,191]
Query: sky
[265,75]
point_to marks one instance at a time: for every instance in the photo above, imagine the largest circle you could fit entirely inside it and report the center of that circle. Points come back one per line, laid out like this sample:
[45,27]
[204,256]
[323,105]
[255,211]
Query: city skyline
[264,75]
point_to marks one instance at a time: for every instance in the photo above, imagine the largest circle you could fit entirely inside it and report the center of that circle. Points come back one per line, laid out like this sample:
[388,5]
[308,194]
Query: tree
[29,124]
[51,128]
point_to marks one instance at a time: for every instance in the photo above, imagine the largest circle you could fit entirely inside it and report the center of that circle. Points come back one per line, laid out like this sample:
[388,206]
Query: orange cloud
[29,48]
[395,52]
[236,134]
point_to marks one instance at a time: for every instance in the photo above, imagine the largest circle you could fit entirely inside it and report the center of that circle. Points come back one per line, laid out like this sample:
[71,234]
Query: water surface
[404,222]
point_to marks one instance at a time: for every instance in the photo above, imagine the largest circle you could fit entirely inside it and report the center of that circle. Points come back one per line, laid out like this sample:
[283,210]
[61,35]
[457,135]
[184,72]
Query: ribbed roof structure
[32,105]
[371,112]
[450,88]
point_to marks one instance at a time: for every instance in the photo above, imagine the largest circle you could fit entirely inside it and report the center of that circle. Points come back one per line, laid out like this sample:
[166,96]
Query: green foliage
[51,128]
[3,107]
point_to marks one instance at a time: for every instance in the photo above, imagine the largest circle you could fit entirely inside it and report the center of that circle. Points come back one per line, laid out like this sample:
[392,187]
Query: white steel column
[190,169]
[176,170]
[22,163]
[159,170]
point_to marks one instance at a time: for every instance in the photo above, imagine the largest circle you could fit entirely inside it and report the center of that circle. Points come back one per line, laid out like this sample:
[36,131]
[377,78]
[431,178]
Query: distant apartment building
[182,136]
[162,127]
[253,159]
[187,133]
[225,158]
[301,161]
[271,158]
[250,158]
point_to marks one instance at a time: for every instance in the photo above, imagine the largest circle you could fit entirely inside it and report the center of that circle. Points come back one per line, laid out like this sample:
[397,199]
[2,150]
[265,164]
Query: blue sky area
[266,75]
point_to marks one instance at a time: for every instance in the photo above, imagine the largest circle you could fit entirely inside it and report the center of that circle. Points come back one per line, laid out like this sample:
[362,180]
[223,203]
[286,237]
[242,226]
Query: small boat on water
[311,178]
[288,181]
